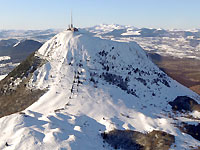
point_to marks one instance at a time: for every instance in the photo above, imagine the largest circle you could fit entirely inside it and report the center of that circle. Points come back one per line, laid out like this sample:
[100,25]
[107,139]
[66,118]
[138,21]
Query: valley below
[184,70]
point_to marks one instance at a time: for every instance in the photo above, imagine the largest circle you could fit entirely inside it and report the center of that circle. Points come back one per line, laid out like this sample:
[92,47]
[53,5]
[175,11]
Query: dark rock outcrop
[133,140]
[14,94]
[193,130]
[184,103]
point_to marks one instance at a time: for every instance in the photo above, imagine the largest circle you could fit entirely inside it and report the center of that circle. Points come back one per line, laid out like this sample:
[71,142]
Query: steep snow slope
[94,85]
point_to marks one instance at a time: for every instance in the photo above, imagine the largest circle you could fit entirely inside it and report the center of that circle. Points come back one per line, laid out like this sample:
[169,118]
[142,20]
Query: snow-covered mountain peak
[82,51]
[93,85]
[79,45]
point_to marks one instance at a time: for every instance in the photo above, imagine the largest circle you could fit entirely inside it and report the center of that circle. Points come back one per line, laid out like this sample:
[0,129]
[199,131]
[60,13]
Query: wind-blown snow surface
[94,85]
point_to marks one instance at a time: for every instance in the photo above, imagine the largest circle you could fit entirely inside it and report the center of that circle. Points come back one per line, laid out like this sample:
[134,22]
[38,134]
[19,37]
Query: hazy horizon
[29,29]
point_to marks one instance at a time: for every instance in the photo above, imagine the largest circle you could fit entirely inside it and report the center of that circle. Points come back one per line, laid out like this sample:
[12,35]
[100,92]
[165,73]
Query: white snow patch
[2,77]
[4,58]
[195,114]
[17,44]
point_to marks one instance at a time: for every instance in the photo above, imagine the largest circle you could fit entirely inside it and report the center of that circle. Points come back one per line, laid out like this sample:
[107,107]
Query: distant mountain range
[176,43]
[13,52]
[121,31]
[38,35]
[18,50]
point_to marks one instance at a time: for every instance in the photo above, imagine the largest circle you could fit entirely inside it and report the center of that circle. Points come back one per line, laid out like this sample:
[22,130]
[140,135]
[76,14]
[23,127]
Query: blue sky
[44,14]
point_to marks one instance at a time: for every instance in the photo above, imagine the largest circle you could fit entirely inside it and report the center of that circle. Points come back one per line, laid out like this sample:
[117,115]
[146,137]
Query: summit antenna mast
[71,27]
[71,20]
